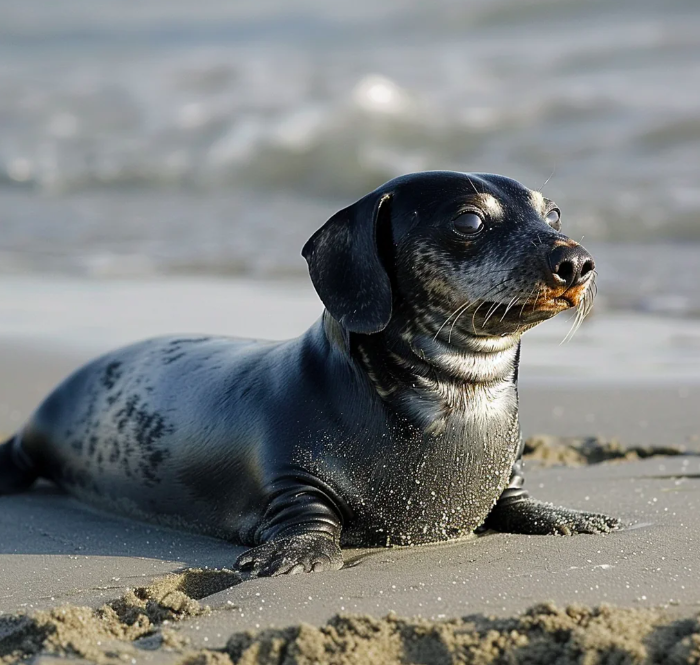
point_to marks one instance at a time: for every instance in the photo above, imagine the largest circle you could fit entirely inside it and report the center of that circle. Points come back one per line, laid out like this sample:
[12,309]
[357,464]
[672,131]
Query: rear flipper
[17,472]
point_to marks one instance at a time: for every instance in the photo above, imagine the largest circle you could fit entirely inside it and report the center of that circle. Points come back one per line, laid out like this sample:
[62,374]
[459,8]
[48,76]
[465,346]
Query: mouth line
[491,313]
[492,316]
[521,310]
[564,301]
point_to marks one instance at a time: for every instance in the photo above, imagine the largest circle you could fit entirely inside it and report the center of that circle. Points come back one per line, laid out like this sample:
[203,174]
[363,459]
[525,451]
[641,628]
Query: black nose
[571,265]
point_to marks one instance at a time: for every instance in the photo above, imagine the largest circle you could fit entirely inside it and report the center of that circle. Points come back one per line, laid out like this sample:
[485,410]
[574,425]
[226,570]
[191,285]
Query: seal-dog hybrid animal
[392,421]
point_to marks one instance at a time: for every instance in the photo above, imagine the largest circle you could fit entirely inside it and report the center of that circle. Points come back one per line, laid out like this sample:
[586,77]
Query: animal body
[392,421]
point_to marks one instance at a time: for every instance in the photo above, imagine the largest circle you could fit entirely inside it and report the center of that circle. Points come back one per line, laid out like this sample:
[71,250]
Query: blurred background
[162,162]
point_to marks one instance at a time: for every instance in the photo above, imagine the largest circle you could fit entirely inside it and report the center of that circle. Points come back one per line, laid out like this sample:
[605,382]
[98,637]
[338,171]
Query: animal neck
[479,361]
[400,360]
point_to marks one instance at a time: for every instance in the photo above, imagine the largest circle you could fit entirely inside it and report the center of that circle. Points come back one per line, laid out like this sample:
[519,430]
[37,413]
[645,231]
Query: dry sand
[141,626]
[63,565]
[572,451]
[136,626]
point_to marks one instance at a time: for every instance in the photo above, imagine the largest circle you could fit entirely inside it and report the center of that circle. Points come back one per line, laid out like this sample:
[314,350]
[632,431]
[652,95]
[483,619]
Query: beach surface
[633,378]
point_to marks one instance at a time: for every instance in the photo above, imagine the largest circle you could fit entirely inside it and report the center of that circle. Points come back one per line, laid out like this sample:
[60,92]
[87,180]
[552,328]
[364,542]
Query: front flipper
[529,516]
[300,532]
[304,553]
[516,512]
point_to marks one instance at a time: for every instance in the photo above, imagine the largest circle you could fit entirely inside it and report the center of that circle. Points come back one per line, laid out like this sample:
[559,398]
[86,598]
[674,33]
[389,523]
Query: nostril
[570,265]
[587,267]
[566,271]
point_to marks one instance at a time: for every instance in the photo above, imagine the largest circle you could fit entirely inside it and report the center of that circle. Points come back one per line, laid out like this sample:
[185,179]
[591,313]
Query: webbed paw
[304,553]
[533,517]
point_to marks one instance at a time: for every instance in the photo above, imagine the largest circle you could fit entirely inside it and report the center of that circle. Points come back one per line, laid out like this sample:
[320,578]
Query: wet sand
[55,551]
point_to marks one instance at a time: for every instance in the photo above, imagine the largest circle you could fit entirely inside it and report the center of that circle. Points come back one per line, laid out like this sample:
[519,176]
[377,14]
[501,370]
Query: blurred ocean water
[165,136]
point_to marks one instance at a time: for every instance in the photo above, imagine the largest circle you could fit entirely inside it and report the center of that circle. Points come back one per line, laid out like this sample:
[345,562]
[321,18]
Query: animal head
[456,254]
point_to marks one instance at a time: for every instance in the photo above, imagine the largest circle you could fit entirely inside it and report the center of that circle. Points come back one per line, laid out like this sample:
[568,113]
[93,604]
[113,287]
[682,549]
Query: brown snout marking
[558,299]
[575,294]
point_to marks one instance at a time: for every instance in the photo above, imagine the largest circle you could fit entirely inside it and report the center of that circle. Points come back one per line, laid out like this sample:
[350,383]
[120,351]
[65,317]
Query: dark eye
[553,218]
[468,223]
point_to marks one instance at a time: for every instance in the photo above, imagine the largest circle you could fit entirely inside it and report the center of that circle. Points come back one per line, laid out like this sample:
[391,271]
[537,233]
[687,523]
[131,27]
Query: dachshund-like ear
[346,268]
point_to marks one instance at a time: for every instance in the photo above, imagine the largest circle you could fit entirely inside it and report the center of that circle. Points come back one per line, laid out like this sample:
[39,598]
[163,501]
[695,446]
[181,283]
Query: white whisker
[522,309]
[582,310]
[454,323]
[490,313]
[551,175]
[464,305]
[510,304]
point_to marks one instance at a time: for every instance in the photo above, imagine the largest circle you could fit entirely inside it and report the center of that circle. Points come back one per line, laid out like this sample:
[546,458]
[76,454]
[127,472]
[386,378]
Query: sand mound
[544,635]
[104,635]
[553,450]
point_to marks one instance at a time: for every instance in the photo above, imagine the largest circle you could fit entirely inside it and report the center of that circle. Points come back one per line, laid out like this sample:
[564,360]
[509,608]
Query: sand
[575,635]
[103,635]
[571,451]
[136,625]
[71,577]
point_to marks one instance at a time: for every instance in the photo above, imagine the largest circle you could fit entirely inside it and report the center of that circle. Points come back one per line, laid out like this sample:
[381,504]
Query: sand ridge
[544,634]
[579,451]
[140,623]
[103,635]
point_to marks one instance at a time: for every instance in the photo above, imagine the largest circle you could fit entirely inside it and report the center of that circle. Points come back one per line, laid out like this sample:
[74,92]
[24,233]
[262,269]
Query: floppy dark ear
[346,269]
